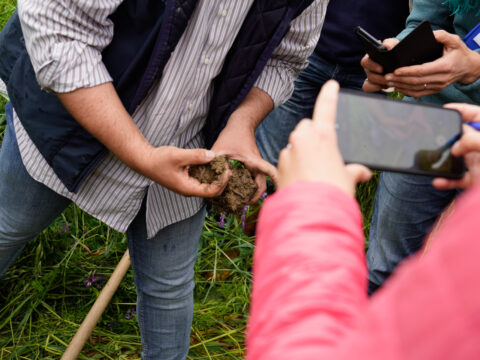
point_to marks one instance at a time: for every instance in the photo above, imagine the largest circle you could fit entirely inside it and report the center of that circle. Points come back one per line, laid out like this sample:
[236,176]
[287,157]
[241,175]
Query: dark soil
[239,190]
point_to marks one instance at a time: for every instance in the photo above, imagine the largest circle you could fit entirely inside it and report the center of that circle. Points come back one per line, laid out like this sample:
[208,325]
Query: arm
[273,87]
[101,112]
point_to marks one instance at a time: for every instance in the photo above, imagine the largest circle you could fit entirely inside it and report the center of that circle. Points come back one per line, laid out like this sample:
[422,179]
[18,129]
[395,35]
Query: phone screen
[397,135]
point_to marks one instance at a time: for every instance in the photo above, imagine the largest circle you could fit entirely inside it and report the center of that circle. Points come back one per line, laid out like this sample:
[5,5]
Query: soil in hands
[239,190]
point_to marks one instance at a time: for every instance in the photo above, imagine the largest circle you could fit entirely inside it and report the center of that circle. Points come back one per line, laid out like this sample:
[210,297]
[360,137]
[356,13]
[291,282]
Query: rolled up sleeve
[64,40]
[290,56]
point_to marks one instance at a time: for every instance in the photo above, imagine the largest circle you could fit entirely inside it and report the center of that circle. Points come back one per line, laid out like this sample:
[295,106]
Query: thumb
[445,38]
[470,141]
[358,173]
[390,43]
[194,156]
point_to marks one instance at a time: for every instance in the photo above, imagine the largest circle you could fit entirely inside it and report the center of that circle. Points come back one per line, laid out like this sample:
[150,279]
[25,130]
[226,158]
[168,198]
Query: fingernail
[209,154]
[398,72]
[388,77]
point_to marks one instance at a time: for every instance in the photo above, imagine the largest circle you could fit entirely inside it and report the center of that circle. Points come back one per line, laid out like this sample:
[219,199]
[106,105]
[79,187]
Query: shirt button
[223,13]
[189,106]
[206,61]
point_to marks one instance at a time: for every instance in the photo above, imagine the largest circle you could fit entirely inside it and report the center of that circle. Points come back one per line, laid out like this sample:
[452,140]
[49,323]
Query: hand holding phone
[418,47]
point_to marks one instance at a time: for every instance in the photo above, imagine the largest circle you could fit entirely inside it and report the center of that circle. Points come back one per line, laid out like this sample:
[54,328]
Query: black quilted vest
[146,33]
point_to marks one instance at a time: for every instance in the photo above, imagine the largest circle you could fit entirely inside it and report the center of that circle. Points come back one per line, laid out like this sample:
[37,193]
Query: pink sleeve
[309,286]
[309,271]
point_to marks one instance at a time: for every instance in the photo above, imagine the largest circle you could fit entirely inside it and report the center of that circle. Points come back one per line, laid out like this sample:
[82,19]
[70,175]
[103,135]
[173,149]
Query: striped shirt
[64,40]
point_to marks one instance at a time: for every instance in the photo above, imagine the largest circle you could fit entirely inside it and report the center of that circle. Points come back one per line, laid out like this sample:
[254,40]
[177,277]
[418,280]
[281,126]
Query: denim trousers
[162,265]
[272,134]
[405,210]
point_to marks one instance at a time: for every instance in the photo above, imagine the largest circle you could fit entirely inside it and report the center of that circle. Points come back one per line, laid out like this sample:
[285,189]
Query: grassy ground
[45,294]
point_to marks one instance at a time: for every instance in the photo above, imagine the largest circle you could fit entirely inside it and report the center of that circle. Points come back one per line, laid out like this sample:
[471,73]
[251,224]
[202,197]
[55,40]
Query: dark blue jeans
[405,209]
[272,134]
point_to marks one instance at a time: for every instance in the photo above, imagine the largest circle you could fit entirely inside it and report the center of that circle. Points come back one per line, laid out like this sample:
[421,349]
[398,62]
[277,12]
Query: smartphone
[399,136]
[418,47]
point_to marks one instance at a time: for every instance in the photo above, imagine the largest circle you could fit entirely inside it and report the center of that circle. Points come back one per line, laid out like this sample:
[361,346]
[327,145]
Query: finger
[370,65]
[430,68]
[469,112]
[195,188]
[325,110]
[418,82]
[371,87]
[261,188]
[377,79]
[358,173]
[390,43]
[448,184]
[449,40]
[470,141]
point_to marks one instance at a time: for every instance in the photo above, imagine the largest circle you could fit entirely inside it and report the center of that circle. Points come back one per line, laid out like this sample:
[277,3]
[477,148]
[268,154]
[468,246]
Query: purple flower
[87,280]
[264,196]
[65,229]
[221,223]
[85,230]
[130,313]
[244,215]
[94,280]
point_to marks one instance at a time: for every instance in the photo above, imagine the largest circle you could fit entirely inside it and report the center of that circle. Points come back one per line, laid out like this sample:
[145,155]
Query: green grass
[44,299]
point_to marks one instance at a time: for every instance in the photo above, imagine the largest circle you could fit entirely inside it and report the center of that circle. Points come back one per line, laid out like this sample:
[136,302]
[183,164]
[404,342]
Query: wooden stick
[90,321]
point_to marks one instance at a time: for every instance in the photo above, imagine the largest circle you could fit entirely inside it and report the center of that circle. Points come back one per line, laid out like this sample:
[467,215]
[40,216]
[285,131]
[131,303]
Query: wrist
[473,69]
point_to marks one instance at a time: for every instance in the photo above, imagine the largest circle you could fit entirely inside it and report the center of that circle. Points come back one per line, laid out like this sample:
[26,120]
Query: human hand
[469,146]
[238,142]
[168,166]
[313,153]
[375,79]
[458,64]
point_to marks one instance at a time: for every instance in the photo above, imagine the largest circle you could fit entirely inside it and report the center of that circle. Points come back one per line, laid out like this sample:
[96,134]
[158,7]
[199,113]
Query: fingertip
[209,155]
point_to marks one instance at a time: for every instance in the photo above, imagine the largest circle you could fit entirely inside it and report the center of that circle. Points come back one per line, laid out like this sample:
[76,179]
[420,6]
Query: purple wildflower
[84,230]
[130,313]
[244,215]
[87,280]
[65,229]
[221,223]
[94,280]
[112,324]
[264,196]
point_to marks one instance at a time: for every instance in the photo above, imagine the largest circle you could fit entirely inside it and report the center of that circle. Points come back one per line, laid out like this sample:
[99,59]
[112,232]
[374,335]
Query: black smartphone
[399,136]
[418,47]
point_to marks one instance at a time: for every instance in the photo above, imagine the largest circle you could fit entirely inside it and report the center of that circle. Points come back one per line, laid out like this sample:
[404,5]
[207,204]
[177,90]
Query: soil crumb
[239,190]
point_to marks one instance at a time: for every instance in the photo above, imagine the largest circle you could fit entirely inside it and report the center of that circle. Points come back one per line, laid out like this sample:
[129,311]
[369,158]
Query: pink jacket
[309,295]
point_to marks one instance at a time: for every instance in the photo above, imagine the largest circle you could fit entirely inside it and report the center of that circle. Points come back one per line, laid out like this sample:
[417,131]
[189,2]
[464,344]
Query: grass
[44,297]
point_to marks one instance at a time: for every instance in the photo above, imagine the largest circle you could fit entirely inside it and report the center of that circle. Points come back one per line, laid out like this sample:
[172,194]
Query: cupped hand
[168,166]
[375,79]
[238,142]
[469,146]
[458,64]
[313,153]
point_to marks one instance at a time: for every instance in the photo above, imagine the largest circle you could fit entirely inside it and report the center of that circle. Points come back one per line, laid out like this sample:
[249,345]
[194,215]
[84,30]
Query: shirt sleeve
[290,56]
[64,40]
[437,13]
[309,271]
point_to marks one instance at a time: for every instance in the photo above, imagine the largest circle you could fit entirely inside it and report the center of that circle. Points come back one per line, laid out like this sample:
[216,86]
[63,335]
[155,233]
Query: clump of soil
[239,190]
